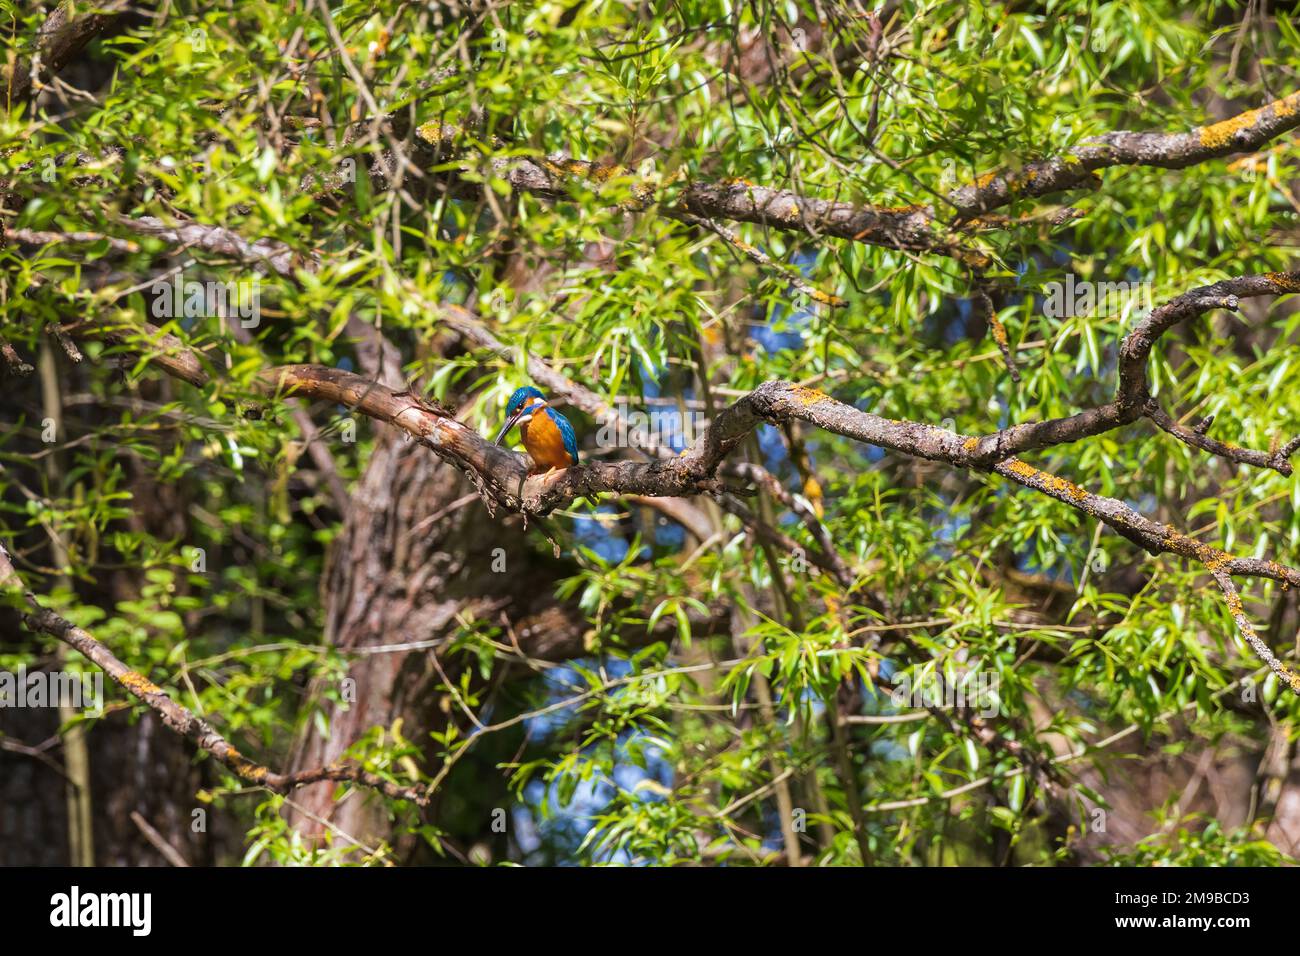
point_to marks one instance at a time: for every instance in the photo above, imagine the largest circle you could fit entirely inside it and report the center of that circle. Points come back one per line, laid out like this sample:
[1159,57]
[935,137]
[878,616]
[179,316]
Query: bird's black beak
[510,424]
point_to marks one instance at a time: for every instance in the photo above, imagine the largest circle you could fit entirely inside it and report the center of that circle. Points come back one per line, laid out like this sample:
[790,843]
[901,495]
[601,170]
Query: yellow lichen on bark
[1220,134]
[243,766]
[999,330]
[1064,486]
[434,132]
[817,295]
[138,684]
[604,173]
[808,396]
[812,490]
[1284,282]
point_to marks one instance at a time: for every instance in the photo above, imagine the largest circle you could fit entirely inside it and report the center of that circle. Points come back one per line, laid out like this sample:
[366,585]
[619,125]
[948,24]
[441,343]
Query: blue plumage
[566,431]
[547,435]
[520,396]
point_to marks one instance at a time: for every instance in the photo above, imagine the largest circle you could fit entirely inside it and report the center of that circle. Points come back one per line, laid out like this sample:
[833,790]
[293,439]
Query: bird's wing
[566,433]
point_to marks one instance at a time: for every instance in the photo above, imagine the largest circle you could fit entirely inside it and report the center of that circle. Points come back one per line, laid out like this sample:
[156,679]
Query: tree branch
[502,477]
[1242,133]
[61,37]
[917,228]
[43,620]
[1132,394]
[1278,460]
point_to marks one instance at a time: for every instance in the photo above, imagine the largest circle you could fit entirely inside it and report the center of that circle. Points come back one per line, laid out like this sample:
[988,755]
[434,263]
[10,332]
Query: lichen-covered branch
[502,477]
[183,721]
[1278,460]
[1242,133]
[1132,396]
[932,228]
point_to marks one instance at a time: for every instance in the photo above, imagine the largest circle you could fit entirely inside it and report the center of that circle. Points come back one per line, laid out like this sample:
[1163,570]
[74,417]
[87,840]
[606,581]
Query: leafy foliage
[671,749]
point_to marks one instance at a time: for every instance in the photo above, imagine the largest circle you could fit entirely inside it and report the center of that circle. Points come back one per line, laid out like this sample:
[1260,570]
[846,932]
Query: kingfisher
[547,434]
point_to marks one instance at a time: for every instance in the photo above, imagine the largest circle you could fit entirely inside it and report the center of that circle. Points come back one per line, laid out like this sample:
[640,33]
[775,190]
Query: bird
[548,437]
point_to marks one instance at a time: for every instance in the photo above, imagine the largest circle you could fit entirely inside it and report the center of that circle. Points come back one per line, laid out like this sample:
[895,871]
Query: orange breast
[544,442]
